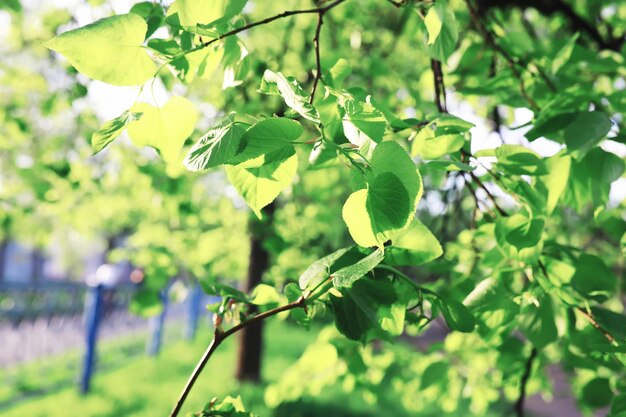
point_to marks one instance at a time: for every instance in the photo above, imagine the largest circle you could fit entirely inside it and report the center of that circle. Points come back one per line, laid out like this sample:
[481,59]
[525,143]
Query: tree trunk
[37,261]
[4,252]
[250,350]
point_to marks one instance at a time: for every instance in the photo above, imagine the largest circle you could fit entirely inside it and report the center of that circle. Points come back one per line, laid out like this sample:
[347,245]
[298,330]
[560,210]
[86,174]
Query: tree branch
[318,64]
[218,338]
[489,38]
[470,187]
[319,10]
[479,182]
[577,22]
[440,88]
[591,319]
[547,7]
[440,101]
[519,404]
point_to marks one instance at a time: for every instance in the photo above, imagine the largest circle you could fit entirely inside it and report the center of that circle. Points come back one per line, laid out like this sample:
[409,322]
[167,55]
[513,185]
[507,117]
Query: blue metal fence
[28,301]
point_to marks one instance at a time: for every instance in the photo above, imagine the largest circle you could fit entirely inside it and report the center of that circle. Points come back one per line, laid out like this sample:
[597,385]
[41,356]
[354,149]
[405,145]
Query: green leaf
[427,145]
[217,147]
[443,135]
[457,316]
[492,306]
[435,374]
[578,130]
[563,55]
[289,89]
[236,63]
[265,295]
[350,261]
[444,43]
[300,315]
[586,130]
[597,393]
[590,179]
[202,63]
[593,278]
[165,128]
[166,47]
[224,291]
[448,123]
[111,130]
[146,303]
[537,323]
[339,72]
[228,407]
[447,165]
[346,276]
[394,186]
[320,270]
[533,195]
[553,184]
[414,247]
[612,322]
[108,50]
[433,22]
[268,135]
[189,13]
[152,13]
[260,180]
[363,125]
[519,230]
[618,406]
[369,309]
[13,5]
[519,160]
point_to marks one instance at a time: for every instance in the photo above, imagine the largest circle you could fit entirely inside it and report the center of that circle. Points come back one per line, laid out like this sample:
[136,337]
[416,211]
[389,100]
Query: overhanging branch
[218,338]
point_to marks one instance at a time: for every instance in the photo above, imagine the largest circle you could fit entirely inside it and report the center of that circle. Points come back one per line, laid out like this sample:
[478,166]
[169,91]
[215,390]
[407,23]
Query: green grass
[148,386]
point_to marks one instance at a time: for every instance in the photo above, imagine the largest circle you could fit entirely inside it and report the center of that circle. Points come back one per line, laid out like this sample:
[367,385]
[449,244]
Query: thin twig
[586,314]
[218,338]
[318,64]
[479,182]
[440,101]
[591,319]
[263,22]
[490,39]
[592,30]
[519,404]
[473,193]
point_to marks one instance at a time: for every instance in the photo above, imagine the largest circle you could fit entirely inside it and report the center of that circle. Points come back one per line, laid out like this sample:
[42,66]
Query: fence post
[156,326]
[93,311]
[194,305]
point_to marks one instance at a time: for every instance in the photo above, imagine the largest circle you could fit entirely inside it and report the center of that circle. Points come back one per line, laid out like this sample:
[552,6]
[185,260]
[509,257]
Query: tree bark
[250,339]
[4,251]
[37,261]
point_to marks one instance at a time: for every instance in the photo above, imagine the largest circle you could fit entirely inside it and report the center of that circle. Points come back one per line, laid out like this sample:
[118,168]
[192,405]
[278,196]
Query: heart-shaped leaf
[165,128]
[108,50]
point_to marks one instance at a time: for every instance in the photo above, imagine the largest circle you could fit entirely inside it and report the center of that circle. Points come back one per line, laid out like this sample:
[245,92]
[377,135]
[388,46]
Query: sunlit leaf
[165,128]
[108,50]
